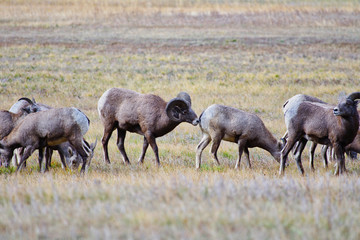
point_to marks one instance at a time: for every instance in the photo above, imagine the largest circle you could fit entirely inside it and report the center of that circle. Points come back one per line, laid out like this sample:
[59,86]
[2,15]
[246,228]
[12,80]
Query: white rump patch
[291,108]
[102,101]
[81,119]
[207,115]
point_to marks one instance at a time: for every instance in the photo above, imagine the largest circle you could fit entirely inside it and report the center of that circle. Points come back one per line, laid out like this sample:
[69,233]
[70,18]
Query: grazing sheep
[325,125]
[145,114]
[67,153]
[47,128]
[219,122]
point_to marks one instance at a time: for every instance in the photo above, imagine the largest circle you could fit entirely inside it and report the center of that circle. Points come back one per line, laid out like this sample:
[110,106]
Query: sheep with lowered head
[47,128]
[67,153]
[219,122]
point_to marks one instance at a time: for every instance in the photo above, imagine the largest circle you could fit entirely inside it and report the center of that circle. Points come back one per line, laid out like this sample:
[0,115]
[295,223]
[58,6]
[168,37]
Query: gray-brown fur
[354,146]
[219,122]
[292,103]
[9,119]
[325,125]
[145,114]
[47,128]
[290,108]
[67,153]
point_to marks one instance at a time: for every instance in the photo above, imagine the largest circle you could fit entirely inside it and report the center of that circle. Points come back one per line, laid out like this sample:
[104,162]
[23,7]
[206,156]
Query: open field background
[249,55]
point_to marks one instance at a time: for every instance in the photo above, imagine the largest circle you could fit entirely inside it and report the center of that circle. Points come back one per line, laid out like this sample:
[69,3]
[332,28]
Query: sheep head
[75,159]
[5,155]
[347,106]
[179,109]
[32,107]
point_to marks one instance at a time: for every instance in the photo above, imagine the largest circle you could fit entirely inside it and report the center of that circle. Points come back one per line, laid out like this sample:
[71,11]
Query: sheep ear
[70,151]
[175,107]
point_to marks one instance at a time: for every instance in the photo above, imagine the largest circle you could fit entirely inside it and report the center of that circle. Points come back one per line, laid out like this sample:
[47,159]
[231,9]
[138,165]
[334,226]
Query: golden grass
[249,56]
[59,13]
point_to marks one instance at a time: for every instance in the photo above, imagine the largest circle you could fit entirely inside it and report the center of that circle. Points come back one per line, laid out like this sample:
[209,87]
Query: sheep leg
[216,140]
[63,161]
[284,154]
[40,159]
[142,156]
[295,148]
[18,153]
[48,155]
[77,142]
[16,156]
[241,146]
[284,138]
[120,144]
[151,140]
[200,148]
[324,149]
[340,160]
[332,153]
[312,152]
[27,152]
[108,129]
[300,148]
[80,149]
[247,155]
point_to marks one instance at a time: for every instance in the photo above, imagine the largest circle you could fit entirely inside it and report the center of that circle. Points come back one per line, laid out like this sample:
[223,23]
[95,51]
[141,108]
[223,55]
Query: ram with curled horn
[145,114]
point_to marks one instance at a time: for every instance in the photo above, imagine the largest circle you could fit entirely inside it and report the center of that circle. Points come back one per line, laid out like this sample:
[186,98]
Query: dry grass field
[252,55]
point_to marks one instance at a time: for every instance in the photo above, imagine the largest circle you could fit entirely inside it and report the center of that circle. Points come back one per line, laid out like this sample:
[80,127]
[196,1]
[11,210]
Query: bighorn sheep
[351,150]
[322,124]
[47,128]
[219,122]
[67,153]
[354,146]
[8,119]
[290,108]
[145,114]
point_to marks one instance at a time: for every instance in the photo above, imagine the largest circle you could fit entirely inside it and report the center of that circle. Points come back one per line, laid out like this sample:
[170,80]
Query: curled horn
[174,107]
[185,96]
[285,103]
[27,100]
[353,96]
